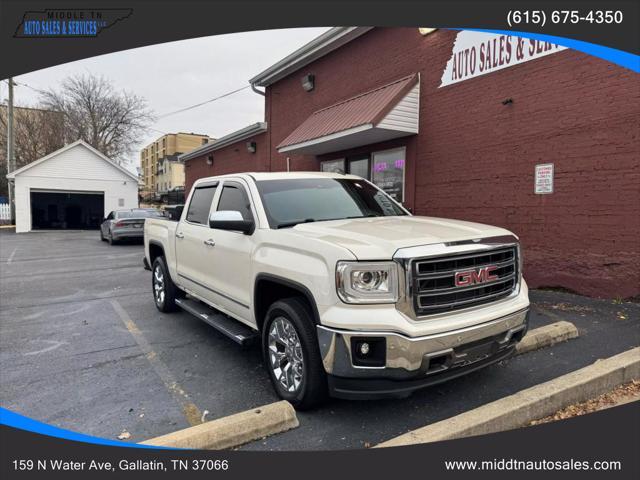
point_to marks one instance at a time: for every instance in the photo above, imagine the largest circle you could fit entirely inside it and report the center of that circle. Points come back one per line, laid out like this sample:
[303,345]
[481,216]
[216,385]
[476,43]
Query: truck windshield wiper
[294,223]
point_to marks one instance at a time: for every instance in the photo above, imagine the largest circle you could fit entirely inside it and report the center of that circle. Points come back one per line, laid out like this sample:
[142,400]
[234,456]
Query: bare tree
[37,133]
[111,121]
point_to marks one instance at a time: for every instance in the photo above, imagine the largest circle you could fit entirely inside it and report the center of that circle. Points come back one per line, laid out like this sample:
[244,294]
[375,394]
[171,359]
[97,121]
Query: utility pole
[10,153]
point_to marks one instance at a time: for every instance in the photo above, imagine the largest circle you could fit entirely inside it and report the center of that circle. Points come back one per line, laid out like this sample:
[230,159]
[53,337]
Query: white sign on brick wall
[544,178]
[479,53]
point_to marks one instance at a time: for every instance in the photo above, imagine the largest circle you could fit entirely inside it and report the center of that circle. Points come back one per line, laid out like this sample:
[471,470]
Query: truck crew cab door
[193,257]
[230,280]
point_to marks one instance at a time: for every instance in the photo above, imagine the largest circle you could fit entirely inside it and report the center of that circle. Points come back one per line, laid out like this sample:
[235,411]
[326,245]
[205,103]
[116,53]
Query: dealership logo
[473,277]
[69,23]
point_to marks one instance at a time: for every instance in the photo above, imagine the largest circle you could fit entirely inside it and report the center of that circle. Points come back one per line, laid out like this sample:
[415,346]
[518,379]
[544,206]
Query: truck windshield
[293,201]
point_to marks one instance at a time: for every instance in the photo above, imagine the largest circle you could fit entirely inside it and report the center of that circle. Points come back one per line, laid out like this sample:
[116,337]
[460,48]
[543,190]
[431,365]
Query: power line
[156,130]
[191,107]
[205,102]
[22,84]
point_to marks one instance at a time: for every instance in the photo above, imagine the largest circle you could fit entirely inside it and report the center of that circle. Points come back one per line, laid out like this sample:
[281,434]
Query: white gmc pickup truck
[347,293]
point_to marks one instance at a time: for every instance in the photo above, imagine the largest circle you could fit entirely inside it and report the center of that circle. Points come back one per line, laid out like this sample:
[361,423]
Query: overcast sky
[178,74]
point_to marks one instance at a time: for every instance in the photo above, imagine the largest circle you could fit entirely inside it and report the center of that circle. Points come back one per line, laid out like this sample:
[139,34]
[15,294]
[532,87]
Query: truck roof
[281,175]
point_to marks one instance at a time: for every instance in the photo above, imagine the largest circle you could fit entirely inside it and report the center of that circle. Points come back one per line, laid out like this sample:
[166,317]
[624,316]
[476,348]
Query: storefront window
[388,172]
[333,166]
[359,167]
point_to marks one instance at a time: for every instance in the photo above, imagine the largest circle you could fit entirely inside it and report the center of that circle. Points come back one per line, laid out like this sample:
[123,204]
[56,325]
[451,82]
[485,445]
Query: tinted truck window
[200,205]
[234,198]
[292,201]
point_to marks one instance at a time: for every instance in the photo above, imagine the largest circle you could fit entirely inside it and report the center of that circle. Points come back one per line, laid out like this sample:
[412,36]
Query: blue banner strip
[15,420]
[619,57]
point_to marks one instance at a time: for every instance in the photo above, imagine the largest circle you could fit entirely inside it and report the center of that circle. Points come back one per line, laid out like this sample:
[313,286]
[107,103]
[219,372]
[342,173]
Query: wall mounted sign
[544,178]
[478,53]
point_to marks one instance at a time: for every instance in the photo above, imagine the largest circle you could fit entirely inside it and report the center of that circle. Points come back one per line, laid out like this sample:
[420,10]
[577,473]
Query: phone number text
[540,17]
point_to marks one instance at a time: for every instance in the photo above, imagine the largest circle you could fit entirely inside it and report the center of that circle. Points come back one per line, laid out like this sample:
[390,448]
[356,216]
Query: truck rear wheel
[291,354]
[164,290]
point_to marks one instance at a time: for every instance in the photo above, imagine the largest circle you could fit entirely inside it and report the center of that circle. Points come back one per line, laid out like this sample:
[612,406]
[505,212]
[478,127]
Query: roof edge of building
[316,48]
[69,146]
[238,135]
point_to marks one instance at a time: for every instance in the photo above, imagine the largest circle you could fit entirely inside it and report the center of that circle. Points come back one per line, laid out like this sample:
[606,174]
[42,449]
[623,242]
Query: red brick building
[454,125]
[242,151]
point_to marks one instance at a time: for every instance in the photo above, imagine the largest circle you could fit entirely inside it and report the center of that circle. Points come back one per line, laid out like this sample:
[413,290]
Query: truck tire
[164,290]
[291,354]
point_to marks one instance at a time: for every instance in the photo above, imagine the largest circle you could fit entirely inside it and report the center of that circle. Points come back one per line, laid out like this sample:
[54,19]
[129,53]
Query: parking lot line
[99,297]
[10,259]
[189,409]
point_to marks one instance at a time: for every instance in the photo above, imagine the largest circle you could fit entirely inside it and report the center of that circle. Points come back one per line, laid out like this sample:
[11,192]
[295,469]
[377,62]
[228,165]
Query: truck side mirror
[231,220]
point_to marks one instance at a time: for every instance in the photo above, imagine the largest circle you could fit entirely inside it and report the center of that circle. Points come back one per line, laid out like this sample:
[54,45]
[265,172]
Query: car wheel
[111,240]
[164,290]
[291,354]
[102,235]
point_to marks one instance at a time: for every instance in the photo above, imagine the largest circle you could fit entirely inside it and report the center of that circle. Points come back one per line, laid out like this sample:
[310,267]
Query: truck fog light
[368,351]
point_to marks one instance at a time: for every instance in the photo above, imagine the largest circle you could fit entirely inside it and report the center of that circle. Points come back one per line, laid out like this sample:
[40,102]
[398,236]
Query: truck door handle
[210,243]
[179,235]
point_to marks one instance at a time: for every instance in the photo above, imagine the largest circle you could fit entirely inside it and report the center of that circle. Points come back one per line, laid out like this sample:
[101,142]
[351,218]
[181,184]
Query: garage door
[66,210]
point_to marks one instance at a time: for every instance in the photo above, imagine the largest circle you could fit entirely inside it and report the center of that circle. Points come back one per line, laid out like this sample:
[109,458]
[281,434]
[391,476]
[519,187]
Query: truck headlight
[367,282]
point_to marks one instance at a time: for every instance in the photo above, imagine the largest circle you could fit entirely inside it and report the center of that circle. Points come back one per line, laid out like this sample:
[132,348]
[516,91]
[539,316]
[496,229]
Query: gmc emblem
[472,277]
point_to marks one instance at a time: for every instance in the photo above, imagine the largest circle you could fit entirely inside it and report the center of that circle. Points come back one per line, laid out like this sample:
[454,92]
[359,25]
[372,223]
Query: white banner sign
[478,53]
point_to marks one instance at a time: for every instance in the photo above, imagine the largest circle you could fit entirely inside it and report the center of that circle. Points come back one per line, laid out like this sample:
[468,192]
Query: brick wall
[230,159]
[474,157]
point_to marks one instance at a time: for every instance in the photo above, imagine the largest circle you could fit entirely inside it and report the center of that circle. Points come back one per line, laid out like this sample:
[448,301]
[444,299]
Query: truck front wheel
[292,355]
[164,290]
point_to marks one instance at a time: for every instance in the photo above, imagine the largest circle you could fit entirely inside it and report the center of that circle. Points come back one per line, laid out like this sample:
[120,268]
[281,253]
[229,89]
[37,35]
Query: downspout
[255,89]
[260,92]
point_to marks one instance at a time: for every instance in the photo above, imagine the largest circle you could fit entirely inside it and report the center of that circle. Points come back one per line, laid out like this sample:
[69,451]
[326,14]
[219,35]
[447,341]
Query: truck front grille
[434,280]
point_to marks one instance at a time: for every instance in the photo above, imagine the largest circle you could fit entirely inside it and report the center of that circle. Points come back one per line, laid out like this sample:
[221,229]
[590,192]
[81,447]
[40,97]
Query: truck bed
[161,231]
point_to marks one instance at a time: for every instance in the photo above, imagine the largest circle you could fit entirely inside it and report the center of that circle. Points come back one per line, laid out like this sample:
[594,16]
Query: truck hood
[379,238]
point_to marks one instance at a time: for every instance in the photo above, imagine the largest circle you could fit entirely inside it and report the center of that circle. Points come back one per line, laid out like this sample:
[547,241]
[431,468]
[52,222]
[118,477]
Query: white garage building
[72,188]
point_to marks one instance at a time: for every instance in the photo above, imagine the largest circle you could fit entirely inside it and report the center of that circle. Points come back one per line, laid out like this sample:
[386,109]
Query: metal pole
[10,153]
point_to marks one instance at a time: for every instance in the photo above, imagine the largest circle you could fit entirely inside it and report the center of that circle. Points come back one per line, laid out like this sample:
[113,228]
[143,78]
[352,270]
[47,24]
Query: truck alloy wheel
[164,290]
[158,285]
[291,353]
[285,354]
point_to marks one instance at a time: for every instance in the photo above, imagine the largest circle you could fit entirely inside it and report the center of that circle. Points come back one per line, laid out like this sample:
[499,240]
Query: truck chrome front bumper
[407,363]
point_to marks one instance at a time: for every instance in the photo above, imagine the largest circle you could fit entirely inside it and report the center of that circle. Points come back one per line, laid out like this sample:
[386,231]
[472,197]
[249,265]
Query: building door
[66,210]
[359,166]
[333,166]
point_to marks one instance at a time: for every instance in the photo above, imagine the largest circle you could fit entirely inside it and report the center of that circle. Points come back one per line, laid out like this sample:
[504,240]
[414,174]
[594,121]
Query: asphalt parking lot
[83,347]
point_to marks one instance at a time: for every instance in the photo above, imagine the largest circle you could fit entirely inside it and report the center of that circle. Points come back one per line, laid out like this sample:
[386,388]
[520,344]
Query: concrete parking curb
[233,430]
[546,336]
[532,403]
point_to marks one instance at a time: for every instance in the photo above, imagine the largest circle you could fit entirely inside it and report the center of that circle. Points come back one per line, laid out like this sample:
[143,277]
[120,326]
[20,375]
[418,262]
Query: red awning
[327,129]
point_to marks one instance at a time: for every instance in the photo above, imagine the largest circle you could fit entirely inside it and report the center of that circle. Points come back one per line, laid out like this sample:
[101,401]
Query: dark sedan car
[126,224]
